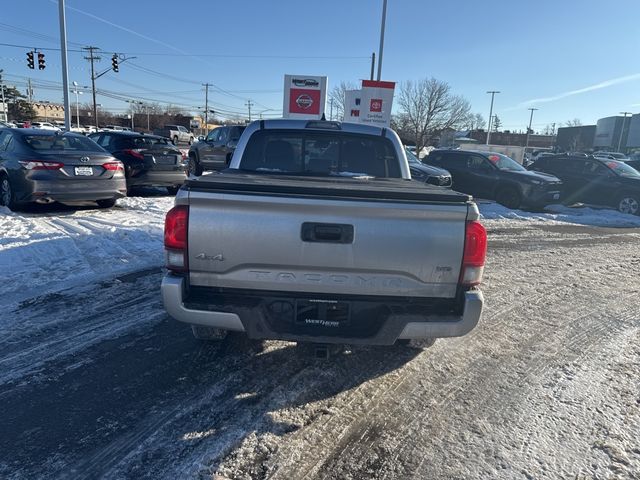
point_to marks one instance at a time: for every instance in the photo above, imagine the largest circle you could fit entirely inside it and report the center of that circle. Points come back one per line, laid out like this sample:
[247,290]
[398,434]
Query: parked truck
[176,133]
[316,234]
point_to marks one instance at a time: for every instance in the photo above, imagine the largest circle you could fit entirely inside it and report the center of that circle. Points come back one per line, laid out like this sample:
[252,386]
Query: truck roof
[286,123]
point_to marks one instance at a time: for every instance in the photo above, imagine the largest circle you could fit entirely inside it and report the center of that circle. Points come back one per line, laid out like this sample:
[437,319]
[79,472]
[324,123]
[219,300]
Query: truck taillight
[175,238]
[475,253]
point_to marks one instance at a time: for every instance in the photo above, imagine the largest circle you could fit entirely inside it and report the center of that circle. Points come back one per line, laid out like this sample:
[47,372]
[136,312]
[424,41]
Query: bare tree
[337,97]
[497,123]
[427,107]
[573,123]
[475,121]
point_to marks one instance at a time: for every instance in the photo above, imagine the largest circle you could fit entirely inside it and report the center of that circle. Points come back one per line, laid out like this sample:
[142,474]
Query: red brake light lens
[475,253]
[175,227]
[113,166]
[37,165]
[135,153]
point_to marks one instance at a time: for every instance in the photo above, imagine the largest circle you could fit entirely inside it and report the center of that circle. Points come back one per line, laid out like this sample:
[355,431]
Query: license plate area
[84,171]
[322,313]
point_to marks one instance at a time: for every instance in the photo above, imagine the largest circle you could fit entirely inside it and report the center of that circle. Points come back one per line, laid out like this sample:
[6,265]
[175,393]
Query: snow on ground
[597,217]
[49,249]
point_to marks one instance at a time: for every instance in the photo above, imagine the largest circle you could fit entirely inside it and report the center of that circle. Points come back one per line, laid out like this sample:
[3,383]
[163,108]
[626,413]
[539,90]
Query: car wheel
[629,204]
[7,198]
[173,190]
[208,333]
[190,140]
[106,203]
[194,167]
[175,140]
[509,197]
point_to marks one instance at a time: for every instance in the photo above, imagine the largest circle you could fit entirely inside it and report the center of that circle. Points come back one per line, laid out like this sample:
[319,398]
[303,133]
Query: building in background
[610,132]
[633,136]
[575,139]
[48,111]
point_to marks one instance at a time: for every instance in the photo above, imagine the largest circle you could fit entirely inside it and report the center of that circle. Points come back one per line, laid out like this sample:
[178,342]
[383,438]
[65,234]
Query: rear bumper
[74,191]
[252,317]
[163,178]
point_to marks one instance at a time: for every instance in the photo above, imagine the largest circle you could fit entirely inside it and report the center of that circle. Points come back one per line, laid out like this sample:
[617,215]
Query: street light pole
[384,19]
[529,129]
[4,105]
[493,93]
[624,119]
[65,68]
[77,92]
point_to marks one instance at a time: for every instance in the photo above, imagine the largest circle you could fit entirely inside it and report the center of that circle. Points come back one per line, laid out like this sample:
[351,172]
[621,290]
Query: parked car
[595,180]
[43,166]
[44,126]
[176,133]
[214,152]
[427,173]
[149,160]
[635,163]
[497,177]
[312,235]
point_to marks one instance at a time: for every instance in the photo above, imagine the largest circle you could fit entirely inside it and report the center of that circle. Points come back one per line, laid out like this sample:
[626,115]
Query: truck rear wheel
[208,333]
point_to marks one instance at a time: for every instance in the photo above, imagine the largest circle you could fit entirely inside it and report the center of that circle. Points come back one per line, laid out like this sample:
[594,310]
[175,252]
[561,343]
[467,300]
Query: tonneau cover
[337,187]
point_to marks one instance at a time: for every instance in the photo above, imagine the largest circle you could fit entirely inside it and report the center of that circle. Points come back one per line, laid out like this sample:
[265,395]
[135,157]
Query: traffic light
[41,65]
[30,62]
[114,62]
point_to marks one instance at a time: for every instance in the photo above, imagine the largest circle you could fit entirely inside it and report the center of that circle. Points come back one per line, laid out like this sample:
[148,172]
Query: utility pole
[384,19]
[373,64]
[529,129]
[29,90]
[206,108]
[65,68]
[92,58]
[249,105]
[624,119]
[331,109]
[493,93]
[4,105]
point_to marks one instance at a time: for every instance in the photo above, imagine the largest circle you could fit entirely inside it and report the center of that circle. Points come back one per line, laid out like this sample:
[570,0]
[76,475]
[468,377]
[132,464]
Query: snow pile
[52,250]
[562,214]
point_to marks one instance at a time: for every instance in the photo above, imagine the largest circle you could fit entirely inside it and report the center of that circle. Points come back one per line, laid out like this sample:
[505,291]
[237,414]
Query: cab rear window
[320,154]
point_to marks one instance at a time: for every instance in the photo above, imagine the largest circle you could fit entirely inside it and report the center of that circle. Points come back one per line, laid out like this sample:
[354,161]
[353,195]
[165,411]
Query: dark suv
[596,181]
[215,151]
[496,177]
[149,160]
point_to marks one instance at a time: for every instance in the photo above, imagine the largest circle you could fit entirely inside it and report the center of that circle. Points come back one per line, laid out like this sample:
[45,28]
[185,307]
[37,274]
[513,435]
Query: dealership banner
[304,96]
[352,106]
[376,100]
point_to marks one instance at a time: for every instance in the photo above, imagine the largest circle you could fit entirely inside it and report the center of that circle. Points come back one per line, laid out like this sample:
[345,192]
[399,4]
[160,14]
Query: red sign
[376,105]
[303,100]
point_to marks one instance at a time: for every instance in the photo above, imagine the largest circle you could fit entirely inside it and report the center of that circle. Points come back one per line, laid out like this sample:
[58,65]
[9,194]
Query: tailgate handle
[326,232]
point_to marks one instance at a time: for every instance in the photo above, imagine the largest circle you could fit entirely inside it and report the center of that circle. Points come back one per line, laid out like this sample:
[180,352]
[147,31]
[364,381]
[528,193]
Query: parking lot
[96,380]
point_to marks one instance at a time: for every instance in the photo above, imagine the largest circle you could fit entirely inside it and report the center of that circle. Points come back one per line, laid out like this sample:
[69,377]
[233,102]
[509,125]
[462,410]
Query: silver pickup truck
[317,233]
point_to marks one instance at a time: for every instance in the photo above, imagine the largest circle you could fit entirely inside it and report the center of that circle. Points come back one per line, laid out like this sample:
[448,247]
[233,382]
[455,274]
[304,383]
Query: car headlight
[535,182]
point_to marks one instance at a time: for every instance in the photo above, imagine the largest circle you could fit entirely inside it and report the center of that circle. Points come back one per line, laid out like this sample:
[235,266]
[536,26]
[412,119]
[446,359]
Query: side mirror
[232,143]
[200,138]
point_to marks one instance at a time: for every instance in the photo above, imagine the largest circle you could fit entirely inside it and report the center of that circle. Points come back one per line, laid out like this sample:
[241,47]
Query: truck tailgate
[314,244]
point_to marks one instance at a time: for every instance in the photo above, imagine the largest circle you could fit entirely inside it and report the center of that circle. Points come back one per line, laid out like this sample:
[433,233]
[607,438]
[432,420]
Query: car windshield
[622,169]
[56,143]
[505,163]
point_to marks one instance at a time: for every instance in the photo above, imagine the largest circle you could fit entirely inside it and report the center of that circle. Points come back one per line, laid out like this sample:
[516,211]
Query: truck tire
[208,333]
[191,139]
[174,140]
[509,197]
